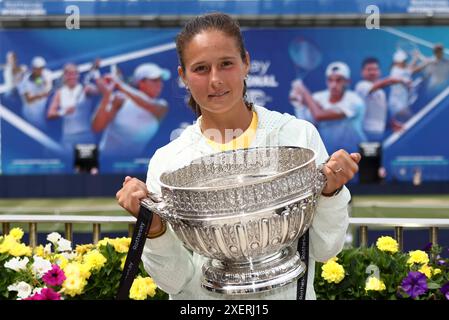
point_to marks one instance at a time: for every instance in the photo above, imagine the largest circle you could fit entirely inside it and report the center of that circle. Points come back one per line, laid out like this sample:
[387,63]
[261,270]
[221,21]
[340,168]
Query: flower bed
[55,271]
[383,272]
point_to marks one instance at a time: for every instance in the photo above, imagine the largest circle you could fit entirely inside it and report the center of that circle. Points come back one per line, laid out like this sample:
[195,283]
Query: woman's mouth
[218,95]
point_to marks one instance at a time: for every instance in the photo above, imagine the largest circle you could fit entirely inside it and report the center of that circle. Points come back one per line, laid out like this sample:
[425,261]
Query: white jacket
[178,272]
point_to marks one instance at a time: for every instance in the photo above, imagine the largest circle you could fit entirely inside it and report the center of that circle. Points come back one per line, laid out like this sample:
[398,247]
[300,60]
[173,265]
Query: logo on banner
[73,20]
[373,20]
[259,76]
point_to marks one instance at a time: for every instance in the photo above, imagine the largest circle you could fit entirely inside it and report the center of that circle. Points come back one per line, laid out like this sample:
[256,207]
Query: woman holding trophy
[213,64]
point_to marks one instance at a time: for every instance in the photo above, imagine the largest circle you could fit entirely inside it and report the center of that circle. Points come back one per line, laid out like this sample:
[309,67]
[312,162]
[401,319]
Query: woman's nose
[215,78]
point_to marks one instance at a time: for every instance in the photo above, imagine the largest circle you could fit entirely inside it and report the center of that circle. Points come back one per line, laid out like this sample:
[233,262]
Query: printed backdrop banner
[45,113]
[235,7]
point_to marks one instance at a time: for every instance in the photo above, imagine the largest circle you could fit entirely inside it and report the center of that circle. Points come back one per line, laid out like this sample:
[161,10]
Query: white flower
[47,249]
[23,289]
[53,237]
[37,290]
[64,245]
[69,255]
[17,264]
[40,266]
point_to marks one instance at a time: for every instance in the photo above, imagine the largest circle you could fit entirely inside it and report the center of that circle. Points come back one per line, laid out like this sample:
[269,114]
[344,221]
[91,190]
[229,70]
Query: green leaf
[433,285]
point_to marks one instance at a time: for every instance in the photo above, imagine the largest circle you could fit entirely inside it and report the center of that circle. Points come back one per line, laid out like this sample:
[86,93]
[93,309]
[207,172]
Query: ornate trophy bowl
[244,210]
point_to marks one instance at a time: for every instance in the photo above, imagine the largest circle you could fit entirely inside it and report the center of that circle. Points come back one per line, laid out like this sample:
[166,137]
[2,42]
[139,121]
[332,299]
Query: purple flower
[54,277]
[445,290]
[414,284]
[428,247]
[441,262]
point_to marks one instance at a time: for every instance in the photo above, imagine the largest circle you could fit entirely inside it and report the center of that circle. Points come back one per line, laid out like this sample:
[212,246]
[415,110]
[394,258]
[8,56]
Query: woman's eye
[200,69]
[227,63]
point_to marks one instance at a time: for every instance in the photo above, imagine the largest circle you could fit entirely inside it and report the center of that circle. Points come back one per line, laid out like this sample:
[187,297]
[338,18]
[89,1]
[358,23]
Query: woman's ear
[182,75]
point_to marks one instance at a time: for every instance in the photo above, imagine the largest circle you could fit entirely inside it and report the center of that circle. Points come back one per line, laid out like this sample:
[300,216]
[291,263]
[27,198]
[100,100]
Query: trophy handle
[155,203]
[321,179]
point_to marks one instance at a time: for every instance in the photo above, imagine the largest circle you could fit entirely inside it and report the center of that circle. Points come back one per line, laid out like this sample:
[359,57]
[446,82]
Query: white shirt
[300,109]
[178,272]
[78,121]
[34,112]
[399,95]
[375,107]
[13,80]
[345,133]
[131,130]
[438,73]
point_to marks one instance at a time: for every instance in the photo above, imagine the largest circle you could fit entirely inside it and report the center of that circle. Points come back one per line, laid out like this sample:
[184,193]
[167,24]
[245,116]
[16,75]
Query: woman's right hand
[104,85]
[129,196]
[133,190]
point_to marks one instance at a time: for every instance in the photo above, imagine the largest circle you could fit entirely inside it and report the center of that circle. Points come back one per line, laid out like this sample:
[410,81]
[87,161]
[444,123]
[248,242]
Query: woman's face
[71,76]
[152,87]
[214,71]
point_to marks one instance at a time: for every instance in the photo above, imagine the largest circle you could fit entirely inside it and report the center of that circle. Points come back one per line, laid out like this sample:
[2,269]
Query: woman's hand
[340,168]
[129,196]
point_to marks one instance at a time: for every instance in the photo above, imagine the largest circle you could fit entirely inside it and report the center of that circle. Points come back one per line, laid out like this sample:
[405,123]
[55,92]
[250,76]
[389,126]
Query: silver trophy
[243,210]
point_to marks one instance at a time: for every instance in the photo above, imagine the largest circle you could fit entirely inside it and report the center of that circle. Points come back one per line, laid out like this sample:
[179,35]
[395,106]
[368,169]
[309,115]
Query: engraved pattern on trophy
[243,210]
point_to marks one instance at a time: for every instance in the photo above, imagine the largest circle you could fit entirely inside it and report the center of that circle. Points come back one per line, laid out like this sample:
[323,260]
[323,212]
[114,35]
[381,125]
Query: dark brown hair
[212,21]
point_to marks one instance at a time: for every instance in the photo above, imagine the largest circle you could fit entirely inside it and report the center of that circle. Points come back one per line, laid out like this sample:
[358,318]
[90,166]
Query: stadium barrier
[68,220]
[398,224]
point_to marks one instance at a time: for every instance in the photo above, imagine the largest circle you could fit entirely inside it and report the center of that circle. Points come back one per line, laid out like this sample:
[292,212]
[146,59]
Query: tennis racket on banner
[412,49]
[409,47]
[306,57]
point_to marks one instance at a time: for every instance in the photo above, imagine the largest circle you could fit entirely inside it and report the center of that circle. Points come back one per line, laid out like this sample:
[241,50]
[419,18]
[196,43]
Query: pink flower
[54,277]
[45,294]
[36,296]
[50,294]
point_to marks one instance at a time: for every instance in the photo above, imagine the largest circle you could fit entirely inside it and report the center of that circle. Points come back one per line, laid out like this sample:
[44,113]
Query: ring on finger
[338,170]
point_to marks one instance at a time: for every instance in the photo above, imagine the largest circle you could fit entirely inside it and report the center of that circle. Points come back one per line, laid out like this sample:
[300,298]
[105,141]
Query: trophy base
[248,277]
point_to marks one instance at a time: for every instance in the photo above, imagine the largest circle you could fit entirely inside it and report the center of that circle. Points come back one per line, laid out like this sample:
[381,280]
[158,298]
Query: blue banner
[235,7]
[395,93]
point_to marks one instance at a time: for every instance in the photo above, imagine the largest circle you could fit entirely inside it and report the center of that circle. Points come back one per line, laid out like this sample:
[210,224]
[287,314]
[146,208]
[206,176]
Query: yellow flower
[436,271]
[387,244]
[77,269]
[122,264]
[82,249]
[332,272]
[335,259]
[374,284]
[121,245]
[94,260]
[142,288]
[61,261]
[19,249]
[39,251]
[425,269]
[73,285]
[16,233]
[418,256]
[104,242]
[11,246]
[7,244]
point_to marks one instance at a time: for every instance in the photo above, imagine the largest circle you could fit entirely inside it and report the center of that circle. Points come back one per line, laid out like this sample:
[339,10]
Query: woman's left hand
[339,169]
